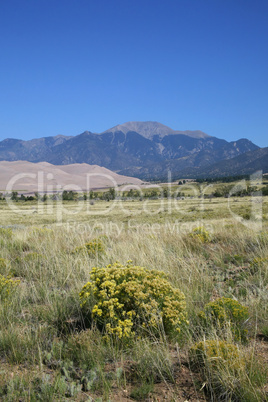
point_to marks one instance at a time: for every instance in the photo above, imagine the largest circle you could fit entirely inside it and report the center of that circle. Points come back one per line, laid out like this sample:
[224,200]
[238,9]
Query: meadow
[212,250]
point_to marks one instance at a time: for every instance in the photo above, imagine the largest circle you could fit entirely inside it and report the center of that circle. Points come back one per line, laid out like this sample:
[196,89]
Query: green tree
[109,195]
[14,196]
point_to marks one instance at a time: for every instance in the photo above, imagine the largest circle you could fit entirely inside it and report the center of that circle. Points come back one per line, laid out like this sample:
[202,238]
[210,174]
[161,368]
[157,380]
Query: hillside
[244,164]
[54,178]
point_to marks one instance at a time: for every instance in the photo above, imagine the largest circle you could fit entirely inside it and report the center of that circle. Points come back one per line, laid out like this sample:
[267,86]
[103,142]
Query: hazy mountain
[141,149]
[32,150]
[149,129]
[247,163]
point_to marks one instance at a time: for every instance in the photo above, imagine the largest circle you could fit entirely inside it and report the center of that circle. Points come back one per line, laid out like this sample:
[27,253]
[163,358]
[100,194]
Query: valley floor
[209,249]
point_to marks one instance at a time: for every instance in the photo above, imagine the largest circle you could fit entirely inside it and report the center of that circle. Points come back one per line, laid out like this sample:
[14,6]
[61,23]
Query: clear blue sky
[67,66]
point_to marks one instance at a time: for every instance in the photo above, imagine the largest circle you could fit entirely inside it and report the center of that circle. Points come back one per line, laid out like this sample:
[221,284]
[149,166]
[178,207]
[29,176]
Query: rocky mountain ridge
[147,153]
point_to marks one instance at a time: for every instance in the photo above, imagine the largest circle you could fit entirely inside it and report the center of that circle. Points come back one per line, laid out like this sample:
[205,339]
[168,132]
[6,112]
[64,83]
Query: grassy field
[50,351]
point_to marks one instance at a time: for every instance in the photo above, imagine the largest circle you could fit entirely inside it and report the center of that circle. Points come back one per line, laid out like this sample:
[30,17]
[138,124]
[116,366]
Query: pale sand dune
[51,178]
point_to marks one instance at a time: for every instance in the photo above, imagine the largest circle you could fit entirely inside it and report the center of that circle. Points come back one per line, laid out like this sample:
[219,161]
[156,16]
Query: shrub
[214,353]
[258,263]
[246,216]
[126,300]
[235,259]
[219,364]
[201,234]
[224,311]
[4,265]
[92,248]
[228,373]
[7,286]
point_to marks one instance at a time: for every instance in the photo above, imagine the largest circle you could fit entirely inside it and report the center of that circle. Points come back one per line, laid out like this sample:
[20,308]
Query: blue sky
[70,66]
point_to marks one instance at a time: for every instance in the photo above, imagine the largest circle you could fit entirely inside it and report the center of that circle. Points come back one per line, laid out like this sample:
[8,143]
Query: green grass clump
[85,349]
[263,238]
[6,233]
[40,232]
[45,387]
[226,311]
[32,258]
[142,392]
[151,362]
[6,237]
[125,300]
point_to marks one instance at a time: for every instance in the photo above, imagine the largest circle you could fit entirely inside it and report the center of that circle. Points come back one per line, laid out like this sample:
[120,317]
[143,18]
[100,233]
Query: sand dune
[45,177]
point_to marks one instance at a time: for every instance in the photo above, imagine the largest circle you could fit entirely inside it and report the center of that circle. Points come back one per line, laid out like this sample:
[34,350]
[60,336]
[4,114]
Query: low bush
[227,372]
[7,286]
[214,353]
[4,265]
[258,263]
[201,234]
[225,312]
[125,300]
[92,249]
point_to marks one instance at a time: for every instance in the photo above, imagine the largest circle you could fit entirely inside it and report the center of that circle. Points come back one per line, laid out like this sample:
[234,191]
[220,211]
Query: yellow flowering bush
[125,300]
[226,310]
[7,286]
[201,234]
[215,353]
[92,248]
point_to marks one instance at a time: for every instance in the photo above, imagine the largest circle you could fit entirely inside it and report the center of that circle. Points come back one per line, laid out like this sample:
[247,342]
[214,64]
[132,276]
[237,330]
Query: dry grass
[46,349]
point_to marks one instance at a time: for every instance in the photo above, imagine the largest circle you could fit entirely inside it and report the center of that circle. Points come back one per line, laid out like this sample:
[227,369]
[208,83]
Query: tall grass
[42,328]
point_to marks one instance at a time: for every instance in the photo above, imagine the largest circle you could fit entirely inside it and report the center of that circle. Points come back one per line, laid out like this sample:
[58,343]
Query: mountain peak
[145,128]
[149,129]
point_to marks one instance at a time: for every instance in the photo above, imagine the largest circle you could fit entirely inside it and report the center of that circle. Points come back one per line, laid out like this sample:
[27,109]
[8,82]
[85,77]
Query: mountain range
[244,164]
[143,149]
